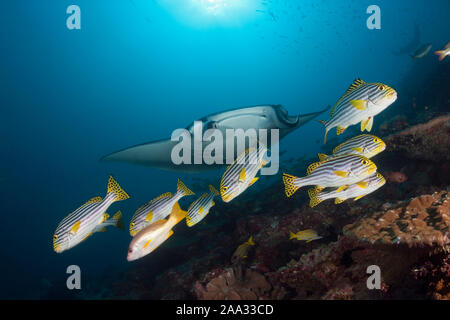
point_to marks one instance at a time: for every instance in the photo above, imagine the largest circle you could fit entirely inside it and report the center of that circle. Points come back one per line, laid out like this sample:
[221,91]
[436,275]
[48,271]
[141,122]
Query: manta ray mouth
[285,117]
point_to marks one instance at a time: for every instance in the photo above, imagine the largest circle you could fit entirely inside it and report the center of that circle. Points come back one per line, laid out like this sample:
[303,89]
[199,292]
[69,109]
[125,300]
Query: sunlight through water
[211,12]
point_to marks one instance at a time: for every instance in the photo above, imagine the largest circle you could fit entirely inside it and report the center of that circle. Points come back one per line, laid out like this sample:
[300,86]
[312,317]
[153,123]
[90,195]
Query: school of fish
[346,173]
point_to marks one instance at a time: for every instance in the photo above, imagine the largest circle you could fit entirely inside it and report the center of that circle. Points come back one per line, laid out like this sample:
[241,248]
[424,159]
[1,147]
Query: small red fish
[396,177]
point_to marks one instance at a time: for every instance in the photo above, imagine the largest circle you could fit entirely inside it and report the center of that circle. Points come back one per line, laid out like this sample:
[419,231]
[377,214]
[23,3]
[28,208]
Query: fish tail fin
[292,235]
[185,190]
[213,190]
[118,218]
[289,187]
[322,156]
[177,214]
[324,123]
[314,199]
[250,241]
[115,188]
[441,54]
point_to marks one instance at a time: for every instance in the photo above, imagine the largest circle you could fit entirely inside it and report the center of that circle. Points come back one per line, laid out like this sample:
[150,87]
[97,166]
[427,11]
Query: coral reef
[233,284]
[424,221]
[428,141]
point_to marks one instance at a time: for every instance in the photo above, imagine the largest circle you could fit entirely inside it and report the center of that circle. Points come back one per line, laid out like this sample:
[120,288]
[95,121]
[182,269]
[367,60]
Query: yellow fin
[75,227]
[250,241]
[322,156]
[119,220]
[342,174]
[177,214]
[341,188]
[133,231]
[334,108]
[115,188]
[94,200]
[147,243]
[358,149]
[200,210]
[189,221]
[263,163]
[359,197]
[149,216]
[338,200]
[338,147]
[314,200]
[182,187]
[359,104]
[242,175]
[312,167]
[170,233]
[253,181]
[317,189]
[356,84]
[289,187]
[164,195]
[308,241]
[340,130]
[213,190]
[362,184]
[105,217]
[368,124]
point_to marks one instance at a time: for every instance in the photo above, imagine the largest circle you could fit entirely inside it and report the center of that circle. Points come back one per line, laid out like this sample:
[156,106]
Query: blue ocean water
[137,70]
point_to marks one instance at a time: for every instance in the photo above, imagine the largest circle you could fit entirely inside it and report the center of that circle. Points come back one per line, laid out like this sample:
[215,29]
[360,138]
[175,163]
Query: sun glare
[214,7]
[211,12]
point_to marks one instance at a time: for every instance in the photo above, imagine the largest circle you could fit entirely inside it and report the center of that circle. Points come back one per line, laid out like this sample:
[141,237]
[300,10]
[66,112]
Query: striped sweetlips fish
[365,145]
[360,103]
[157,209]
[355,191]
[335,172]
[89,218]
[241,174]
[200,207]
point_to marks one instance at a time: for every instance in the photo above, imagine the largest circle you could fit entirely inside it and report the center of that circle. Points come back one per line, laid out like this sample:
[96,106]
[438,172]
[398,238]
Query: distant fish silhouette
[422,51]
[274,18]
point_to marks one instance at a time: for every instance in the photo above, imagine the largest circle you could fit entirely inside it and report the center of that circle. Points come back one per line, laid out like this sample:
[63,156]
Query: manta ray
[157,154]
